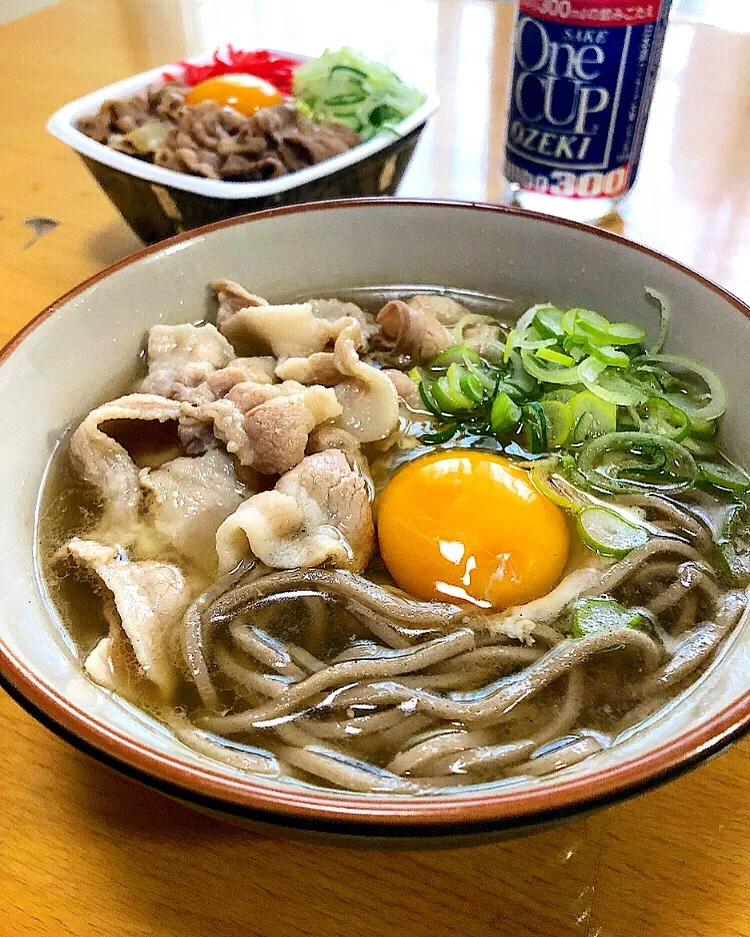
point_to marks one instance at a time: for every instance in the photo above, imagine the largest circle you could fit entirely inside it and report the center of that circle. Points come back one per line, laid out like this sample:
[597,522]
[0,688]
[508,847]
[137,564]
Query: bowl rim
[308,808]
[62,126]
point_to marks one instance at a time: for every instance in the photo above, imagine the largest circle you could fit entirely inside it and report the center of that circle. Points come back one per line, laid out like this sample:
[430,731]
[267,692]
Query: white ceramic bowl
[66,360]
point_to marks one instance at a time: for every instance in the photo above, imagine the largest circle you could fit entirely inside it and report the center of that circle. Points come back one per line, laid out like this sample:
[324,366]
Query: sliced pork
[318,513]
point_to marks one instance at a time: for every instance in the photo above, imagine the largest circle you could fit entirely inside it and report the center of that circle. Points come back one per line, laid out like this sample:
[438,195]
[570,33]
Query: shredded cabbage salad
[346,88]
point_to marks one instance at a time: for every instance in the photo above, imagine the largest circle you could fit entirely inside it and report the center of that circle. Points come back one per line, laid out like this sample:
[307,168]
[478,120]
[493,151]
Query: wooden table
[86,852]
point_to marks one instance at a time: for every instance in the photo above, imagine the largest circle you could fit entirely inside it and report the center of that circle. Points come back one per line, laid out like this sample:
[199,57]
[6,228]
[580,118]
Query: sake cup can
[583,76]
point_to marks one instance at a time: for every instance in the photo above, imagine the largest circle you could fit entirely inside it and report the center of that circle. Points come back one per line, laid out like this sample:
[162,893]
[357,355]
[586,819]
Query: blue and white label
[578,102]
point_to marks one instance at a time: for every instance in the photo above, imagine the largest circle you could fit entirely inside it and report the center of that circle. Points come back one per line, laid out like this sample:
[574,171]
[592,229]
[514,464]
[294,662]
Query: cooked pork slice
[150,599]
[104,463]
[446,310]
[196,435]
[480,332]
[259,369]
[329,436]
[318,368]
[406,389]
[286,331]
[182,356]
[318,513]
[335,309]
[187,500]
[367,396]
[267,425]
[415,330]
[231,298]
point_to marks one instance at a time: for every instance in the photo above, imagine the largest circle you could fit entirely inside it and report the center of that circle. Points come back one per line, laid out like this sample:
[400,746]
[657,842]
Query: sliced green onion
[564,394]
[725,475]
[556,487]
[355,97]
[600,330]
[592,615]
[701,448]
[448,394]
[609,462]
[606,532]
[519,377]
[460,354]
[548,319]
[549,374]
[559,421]
[665,308]
[704,429]
[472,387]
[504,414]
[573,321]
[510,344]
[577,352]
[591,416]
[425,392]
[608,385]
[658,416]
[556,357]
[518,334]
[487,377]
[625,333]
[611,356]
[717,397]
[534,436]
[570,468]
[441,435]
[616,390]
[589,370]
[533,341]
[354,74]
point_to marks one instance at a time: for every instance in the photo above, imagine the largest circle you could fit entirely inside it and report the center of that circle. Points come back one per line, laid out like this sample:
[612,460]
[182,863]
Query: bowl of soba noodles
[383,519]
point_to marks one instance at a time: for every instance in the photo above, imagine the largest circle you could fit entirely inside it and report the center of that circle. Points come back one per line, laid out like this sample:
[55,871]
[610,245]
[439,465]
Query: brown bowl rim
[341,812]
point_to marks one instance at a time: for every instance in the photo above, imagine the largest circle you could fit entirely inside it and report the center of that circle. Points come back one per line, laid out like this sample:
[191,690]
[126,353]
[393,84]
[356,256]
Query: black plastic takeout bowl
[158,203]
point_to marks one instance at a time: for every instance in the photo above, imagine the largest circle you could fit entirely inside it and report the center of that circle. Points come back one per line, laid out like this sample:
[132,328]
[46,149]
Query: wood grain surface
[84,851]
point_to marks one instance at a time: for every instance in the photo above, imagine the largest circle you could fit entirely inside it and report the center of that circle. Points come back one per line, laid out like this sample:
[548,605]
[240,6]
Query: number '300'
[588,184]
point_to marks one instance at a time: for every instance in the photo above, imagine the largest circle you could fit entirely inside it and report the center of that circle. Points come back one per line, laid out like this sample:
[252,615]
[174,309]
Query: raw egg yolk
[469,526]
[245,93]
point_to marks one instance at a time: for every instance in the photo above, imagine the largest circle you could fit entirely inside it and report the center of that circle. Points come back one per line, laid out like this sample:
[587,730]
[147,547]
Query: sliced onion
[148,137]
